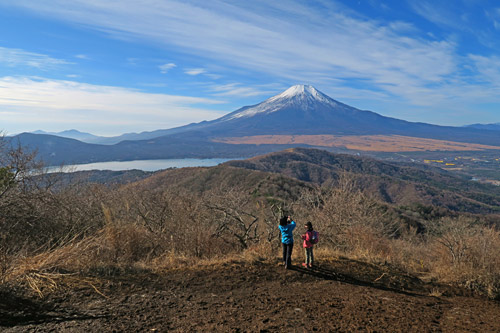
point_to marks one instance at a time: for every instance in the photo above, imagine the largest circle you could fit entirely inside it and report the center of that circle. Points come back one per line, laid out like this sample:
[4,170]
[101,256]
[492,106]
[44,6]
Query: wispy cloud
[213,76]
[440,13]
[195,71]
[82,56]
[290,41]
[202,71]
[487,69]
[166,67]
[494,17]
[153,85]
[132,61]
[44,100]
[460,18]
[17,57]
[264,37]
[236,89]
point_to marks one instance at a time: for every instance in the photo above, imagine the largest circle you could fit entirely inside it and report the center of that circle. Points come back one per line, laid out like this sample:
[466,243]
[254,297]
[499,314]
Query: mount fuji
[299,116]
[301,109]
[304,110]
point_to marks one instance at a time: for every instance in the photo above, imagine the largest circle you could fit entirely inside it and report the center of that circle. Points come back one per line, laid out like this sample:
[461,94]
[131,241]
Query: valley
[481,166]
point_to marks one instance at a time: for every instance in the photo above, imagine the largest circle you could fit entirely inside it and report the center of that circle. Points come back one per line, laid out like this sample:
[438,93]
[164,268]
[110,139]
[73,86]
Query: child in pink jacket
[309,244]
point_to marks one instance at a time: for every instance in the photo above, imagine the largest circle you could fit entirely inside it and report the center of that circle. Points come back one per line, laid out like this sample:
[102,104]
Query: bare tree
[34,213]
[455,235]
[17,167]
[154,209]
[234,215]
[341,209]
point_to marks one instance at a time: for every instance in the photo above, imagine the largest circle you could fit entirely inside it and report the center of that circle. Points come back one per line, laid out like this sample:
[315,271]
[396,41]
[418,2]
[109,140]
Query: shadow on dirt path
[19,311]
[329,274]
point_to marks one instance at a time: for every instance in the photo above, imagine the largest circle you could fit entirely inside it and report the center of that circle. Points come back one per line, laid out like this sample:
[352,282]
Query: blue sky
[110,67]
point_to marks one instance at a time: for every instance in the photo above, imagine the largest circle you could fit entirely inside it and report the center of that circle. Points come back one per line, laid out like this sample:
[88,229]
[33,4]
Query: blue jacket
[287,233]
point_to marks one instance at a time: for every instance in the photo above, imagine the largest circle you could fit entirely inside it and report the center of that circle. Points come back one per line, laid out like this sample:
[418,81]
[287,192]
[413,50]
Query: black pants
[287,254]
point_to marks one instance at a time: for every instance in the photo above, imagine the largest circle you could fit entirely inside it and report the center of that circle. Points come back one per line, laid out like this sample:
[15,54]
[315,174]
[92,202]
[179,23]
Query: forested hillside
[395,183]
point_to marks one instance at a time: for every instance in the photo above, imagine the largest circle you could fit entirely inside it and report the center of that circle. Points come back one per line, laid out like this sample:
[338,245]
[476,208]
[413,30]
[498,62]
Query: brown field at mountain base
[379,143]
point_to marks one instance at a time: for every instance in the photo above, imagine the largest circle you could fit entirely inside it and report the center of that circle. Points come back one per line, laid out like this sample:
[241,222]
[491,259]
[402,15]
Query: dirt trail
[339,296]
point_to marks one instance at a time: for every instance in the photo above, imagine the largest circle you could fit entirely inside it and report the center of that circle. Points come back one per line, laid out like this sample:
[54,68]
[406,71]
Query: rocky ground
[337,295]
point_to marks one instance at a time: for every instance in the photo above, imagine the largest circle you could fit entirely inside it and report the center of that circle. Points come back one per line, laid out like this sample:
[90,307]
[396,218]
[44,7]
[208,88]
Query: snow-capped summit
[301,91]
[299,110]
[300,96]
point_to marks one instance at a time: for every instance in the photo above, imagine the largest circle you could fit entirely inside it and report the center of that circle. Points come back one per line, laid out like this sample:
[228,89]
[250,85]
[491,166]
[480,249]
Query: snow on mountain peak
[303,96]
[299,89]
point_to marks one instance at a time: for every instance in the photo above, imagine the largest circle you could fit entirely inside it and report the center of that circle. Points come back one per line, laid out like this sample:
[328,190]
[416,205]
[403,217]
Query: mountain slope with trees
[400,184]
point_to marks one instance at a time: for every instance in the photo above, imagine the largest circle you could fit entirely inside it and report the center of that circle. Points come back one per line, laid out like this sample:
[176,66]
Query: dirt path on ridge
[340,296]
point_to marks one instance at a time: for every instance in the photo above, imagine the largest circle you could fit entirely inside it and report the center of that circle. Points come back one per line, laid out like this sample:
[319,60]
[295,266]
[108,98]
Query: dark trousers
[287,254]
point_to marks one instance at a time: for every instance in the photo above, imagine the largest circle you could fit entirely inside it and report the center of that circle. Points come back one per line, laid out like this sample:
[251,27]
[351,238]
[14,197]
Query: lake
[145,165]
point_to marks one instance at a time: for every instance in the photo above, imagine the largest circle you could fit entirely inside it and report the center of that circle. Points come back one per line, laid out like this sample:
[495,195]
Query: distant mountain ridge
[104,140]
[490,127]
[300,110]
[73,134]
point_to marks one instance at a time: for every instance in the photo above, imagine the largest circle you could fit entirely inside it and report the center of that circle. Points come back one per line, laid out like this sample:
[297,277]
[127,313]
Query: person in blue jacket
[286,227]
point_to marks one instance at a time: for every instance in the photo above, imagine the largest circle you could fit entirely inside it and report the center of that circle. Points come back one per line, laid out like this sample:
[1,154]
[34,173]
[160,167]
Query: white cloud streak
[17,57]
[166,67]
[195,71]
[44,101]
[235,89]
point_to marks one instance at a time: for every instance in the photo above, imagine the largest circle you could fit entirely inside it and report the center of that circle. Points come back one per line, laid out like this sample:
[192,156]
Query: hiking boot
[305,265]
[310,266]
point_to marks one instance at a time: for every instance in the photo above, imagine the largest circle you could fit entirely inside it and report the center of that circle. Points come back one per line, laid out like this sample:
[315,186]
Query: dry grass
[477,270]
[115,249]
[461,252]
[51,270]
[182,233]
[259,253]
[435,293]
[478,267]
